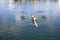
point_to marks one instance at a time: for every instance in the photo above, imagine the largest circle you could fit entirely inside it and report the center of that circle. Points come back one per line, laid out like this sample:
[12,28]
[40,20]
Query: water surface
[13,27]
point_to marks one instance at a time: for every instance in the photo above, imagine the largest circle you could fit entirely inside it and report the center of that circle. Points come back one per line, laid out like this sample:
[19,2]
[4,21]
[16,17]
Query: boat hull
[34,21]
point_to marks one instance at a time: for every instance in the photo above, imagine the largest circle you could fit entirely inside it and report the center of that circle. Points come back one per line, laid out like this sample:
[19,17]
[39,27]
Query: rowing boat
[34,20]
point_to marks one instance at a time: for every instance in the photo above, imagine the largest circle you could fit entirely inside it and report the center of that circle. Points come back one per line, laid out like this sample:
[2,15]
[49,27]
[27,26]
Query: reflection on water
[59,3]
[14,13]
[11,6]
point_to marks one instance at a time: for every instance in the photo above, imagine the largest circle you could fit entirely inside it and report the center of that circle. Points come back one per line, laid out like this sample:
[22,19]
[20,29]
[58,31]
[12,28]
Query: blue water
[13,27]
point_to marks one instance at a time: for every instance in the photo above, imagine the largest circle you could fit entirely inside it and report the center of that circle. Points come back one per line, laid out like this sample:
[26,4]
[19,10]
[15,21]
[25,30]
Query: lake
[16,24]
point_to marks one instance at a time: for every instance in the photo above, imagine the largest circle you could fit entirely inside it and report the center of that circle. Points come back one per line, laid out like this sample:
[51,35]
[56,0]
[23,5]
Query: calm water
[13,27]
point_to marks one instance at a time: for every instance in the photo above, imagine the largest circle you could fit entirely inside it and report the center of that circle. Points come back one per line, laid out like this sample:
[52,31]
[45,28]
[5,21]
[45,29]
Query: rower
[34,20]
